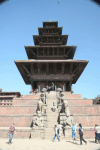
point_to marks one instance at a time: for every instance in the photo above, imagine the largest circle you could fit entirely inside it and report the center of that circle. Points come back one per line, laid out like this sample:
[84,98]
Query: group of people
[58,132]
[50,88]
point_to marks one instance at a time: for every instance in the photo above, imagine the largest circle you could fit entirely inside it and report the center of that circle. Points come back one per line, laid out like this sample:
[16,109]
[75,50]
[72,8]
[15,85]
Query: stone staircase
[51,116]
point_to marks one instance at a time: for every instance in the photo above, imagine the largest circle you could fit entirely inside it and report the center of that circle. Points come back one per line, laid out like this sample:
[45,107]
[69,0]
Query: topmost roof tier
[50,24]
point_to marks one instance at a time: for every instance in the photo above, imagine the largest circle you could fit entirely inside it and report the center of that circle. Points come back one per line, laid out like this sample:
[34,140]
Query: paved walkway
[31,144]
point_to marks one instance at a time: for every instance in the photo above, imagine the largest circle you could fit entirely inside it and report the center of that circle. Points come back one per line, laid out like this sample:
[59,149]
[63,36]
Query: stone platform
[22,109]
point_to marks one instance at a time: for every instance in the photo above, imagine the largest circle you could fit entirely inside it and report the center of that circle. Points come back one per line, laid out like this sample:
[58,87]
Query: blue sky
[19,21]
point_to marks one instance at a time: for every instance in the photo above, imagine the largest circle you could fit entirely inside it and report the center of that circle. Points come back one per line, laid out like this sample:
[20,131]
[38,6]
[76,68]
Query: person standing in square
[11,132]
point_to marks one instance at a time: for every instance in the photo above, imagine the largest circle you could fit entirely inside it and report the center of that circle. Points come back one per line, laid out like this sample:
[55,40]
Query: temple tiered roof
[50,59]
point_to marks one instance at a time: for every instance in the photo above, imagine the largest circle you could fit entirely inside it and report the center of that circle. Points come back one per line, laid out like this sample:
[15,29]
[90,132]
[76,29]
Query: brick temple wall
[22,109]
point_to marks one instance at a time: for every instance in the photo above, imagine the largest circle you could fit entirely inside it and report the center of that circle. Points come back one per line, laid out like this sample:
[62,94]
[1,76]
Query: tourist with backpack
[81,134]
[74,131]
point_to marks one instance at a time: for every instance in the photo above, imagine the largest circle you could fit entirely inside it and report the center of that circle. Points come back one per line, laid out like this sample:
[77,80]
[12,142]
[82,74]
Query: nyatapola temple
[51,71]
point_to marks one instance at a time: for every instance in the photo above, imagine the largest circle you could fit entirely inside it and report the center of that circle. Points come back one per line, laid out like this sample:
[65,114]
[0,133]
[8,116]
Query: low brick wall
[22,101]
[87,120]
[19,120]
[17,109]
[79,102]
[94,109]
[68,95]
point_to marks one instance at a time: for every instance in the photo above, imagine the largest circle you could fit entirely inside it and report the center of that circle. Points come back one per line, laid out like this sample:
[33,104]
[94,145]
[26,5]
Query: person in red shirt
[11,132]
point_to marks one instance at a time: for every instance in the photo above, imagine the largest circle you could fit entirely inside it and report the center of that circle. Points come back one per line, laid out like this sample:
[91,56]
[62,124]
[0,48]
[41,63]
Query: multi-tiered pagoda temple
[50,60]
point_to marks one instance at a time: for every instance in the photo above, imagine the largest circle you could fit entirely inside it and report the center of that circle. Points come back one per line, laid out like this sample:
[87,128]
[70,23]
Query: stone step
[51,115]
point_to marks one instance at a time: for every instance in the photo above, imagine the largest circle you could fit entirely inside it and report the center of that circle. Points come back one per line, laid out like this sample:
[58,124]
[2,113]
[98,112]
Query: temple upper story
[50,59]
[50,52]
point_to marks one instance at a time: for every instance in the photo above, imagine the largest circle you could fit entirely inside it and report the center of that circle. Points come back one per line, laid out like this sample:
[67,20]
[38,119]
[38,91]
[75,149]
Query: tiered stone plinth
[22,109]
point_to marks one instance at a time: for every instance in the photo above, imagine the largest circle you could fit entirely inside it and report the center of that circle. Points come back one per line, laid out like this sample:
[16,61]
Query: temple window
[35,69]
[50,31]
[55,51]
[51,52]
[56,40]
[51,68]
[39,39]
[44,39]
[50,40]
[59,68]
[45,52]
[67,68]
[60,52]
[43,69]
[40,52]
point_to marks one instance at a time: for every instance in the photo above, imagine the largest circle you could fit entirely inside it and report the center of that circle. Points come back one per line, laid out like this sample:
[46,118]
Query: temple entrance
[34,85]
[50,83]
[68,86]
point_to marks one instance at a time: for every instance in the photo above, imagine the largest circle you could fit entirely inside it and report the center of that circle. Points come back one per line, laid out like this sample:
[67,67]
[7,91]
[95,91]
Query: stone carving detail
[39,106]
[38,120]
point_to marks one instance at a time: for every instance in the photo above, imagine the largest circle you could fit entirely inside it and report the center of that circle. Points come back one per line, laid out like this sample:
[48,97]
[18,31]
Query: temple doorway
[68,86]
[34,85]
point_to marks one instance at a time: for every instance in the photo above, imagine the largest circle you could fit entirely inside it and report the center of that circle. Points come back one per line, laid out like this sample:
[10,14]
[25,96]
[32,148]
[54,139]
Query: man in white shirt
[56,134]
[98,132]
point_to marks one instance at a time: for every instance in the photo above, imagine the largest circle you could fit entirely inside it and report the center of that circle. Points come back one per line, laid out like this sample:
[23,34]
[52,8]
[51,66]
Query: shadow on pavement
[73,142]
[91,141]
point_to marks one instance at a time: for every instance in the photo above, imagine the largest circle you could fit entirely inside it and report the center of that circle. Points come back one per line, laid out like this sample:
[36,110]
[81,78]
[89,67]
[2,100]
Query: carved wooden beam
[43,51]
[38,65]
[32,68]
[63,68]
[68,52]
[51,77]
[47,68]
[37,51]
[38,40]
[32,52]
[53,51]
[71,68]
[26,69]
[76,68]
[55,68]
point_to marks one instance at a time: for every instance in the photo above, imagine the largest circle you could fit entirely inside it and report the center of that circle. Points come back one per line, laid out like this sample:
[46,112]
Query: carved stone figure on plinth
[40,106]
[67,112]
[38,120]
[62,106]
[43,95]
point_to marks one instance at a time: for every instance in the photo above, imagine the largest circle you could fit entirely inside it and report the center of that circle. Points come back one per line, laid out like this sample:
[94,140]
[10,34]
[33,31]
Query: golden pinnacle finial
[50,20]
